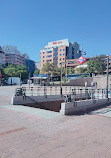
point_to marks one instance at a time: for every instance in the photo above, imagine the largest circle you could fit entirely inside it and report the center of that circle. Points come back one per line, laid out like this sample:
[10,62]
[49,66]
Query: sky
[31,24]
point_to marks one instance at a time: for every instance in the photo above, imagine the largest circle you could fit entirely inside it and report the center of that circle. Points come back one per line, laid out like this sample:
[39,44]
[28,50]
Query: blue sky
[31,24]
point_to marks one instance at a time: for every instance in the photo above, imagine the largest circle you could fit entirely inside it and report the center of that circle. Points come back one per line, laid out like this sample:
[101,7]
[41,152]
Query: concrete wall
[52,103]
[101,81]
[19,100]
[83,105]
[80,82]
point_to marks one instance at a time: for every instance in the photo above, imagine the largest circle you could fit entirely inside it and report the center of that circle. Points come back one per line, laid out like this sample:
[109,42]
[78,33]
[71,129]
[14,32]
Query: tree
[71,70]
[3,73]
[37,71]
[81,70]
[56,71]
[15,70]
[97,65]
[90,66]
[100,65]
[47,68]
[63,71]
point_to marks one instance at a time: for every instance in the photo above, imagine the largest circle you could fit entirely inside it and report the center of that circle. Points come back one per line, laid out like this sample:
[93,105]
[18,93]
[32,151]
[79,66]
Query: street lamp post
[29,80]
[61,72]
[66,67]
[61,80]
[20,79]
[107,76]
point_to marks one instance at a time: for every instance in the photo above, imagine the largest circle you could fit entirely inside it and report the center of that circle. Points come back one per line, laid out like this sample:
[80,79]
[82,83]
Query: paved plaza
[26,132]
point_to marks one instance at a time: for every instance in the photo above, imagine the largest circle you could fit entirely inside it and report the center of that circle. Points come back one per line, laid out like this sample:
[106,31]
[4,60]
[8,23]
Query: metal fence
[67,91]
[54,90]
[85,94]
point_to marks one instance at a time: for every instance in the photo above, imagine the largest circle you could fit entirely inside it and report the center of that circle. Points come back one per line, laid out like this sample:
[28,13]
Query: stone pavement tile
[57,153]
[41,113]
[23,146]
[90,152]
[69,136]
[25,139]
[10,126]
[19,118]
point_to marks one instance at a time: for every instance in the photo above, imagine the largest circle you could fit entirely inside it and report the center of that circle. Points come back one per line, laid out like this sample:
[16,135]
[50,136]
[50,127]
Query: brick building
[2,56]
[13,56]
[57,52]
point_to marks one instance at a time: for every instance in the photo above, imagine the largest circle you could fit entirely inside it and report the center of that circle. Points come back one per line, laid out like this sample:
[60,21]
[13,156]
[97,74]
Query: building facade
[37,65]
[30,65]
[2,56]
[57,52]
[13,56]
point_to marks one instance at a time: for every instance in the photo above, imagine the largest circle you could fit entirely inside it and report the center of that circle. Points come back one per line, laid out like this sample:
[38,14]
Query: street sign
[81,60]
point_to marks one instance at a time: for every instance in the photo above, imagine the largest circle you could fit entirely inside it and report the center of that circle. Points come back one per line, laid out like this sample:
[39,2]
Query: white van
[14,80]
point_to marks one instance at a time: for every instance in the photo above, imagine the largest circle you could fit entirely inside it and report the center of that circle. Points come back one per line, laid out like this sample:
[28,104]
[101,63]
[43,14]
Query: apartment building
[2,56]
[13,56]
[57,52]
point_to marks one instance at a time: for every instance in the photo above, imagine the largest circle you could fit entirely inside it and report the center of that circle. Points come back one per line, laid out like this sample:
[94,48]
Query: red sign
[57,42]
[81,60]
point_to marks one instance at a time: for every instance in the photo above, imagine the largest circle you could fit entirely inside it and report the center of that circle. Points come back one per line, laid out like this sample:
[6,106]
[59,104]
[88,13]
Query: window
[63,49]
[49,60]
[63,54]
[60,54]
[49,51]
[60,50]
[43,52]
[60,58]
[43,60]
[43,56]
[63,58]
[49,56]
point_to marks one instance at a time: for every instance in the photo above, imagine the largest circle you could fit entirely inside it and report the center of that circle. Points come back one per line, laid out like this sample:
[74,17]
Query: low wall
[19,100]
[52,103]
[83,105]
[80,82]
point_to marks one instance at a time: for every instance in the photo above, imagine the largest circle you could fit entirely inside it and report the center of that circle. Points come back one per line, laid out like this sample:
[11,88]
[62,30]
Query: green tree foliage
[56,71]
[90,66]
[100,65]
[97,65]
[63,71]
[71,71]
[2,72]
[37,71]
[47,68]
[15,70]
[81,70]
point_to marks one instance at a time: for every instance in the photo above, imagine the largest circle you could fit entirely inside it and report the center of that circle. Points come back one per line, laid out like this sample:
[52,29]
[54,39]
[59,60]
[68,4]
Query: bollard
[45,93]
[55,90]
[61,91]
[50,90]
[32,90]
